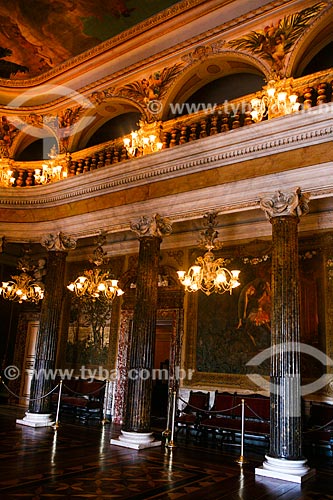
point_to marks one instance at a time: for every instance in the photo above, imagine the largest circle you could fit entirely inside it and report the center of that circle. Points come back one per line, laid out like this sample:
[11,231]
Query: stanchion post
[56,424]
[172,443]
[166,433]
[241,459]
[106,401]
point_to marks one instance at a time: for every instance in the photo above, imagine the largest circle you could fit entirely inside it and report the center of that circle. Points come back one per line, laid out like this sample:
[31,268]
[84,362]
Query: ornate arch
[29,134]
[316,37]
[202,70]
[103,111]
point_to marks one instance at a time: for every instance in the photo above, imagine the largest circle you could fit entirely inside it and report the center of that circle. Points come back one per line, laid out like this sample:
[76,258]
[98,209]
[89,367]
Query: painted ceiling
[38,35]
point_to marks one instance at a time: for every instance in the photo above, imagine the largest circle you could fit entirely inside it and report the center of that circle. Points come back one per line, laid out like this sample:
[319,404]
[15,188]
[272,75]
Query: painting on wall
[232,329]
[88,333]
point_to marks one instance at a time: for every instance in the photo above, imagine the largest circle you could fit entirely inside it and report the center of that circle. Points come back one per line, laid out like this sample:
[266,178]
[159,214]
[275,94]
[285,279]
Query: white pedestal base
[136,440]
[37,420]
[288,470]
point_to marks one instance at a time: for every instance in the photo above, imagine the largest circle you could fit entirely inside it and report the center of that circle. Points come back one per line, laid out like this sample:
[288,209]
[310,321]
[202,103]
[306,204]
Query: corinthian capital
[58,242]
[152,226]
[281,204]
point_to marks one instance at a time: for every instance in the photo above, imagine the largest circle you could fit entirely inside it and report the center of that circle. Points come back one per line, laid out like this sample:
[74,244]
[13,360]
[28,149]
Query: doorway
[160,383]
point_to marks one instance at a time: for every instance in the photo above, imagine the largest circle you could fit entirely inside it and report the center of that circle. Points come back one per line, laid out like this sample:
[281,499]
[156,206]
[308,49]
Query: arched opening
[115,127]
[37,150]
[321,61]
[218,91]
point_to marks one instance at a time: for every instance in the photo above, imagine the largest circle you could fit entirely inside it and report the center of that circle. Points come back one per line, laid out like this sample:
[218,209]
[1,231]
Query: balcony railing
[312,90]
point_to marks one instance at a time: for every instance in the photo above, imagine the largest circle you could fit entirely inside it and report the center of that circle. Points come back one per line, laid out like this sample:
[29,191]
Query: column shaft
[46,347]
[142,338]
[286,436]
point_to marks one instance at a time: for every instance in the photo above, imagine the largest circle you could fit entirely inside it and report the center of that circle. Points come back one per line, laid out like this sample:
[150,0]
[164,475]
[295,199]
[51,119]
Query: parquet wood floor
[78,462]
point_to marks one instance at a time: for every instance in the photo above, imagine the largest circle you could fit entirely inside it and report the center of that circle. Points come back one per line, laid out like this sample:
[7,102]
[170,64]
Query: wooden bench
[225,416]
[83,398]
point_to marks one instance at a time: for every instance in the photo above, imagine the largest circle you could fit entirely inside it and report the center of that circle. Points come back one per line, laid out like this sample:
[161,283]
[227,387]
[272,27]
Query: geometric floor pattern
[78,462]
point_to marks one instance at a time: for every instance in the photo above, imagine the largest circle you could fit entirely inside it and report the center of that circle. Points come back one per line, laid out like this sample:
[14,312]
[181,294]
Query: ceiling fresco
[38,35]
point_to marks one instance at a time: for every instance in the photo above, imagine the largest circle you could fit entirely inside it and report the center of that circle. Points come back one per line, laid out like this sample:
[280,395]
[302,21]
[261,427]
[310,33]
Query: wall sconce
[51,170]
[278,100]
[6,173]
[144,141]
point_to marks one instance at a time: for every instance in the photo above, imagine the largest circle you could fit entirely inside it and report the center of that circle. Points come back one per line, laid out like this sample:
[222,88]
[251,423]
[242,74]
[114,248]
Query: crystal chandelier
[23,287]
[96,284]
[143,141]
[277,100]
[51,170]
[208,274]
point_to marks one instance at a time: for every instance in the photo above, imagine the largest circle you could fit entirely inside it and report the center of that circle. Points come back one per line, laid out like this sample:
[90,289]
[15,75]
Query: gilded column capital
[294,204]
[58,242]
[156,225]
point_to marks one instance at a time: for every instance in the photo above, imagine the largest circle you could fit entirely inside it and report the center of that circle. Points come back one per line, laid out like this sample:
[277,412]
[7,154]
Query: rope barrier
[319,428]
[27,397]
[255,414]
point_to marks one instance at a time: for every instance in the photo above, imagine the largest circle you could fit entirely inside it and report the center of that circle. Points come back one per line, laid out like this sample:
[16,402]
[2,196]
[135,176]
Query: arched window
[116,127]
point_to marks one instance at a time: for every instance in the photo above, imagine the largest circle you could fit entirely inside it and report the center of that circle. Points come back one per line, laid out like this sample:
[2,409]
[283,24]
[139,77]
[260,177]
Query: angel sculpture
[274,42]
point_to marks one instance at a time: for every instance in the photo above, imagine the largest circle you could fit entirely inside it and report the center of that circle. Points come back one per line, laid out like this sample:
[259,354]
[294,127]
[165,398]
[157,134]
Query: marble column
[39,413]
[135,431]
[285,459]
[328,284]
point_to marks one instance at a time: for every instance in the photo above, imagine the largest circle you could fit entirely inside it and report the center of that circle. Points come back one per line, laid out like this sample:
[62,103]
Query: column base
[288,470]
[136,440]
[37,420]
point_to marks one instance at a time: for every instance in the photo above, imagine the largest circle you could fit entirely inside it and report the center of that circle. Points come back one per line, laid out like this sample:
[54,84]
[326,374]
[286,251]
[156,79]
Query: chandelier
[51,170]
[23,287]
[144,141]
[96,284]
[208,274]
[277,100]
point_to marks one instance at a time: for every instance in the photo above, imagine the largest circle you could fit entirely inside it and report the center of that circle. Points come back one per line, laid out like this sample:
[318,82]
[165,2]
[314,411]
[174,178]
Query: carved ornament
[156,226]
[58,242]
[274,42]
[285,204]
